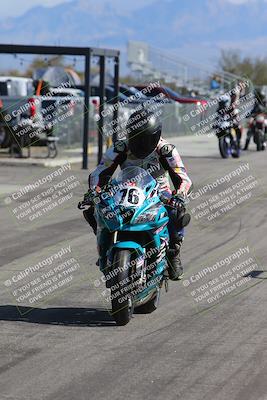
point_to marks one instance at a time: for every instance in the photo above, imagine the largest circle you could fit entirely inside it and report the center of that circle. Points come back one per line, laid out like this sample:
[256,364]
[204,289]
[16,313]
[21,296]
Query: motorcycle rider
[227,118]
[258,108]
[223,118]
[234,115]
[146,148]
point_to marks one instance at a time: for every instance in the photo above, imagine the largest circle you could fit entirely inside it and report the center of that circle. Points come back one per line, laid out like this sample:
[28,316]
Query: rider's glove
[177,201]
[89,196]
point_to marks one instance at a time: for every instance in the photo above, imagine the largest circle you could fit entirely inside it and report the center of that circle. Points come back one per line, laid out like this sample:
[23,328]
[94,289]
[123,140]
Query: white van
[16,86]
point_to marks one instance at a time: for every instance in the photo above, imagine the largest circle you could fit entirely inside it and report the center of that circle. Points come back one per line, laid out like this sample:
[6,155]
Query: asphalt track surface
[69,347]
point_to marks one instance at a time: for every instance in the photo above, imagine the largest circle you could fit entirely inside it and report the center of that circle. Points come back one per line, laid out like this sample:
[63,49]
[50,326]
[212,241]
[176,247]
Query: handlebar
[83,204]
[95,193]
[89,203]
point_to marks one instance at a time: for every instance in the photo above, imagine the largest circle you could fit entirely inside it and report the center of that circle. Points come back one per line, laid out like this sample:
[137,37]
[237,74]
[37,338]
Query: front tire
[120,301]
[224,147]
[235,150]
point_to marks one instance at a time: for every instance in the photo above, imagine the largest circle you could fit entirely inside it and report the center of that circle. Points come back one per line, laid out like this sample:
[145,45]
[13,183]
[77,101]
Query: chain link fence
[69,125]
[177,120]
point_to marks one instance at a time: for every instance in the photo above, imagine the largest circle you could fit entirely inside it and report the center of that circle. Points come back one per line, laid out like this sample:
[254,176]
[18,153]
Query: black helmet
[224,101]
[144,131]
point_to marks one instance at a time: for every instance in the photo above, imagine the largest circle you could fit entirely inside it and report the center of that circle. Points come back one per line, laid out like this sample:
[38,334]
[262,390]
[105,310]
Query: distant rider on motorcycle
[146,148]
[227,118]
[259,107]
[223,119]
[234,116]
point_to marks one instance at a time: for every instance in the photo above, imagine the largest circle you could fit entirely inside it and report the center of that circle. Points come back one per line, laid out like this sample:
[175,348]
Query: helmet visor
[142,144]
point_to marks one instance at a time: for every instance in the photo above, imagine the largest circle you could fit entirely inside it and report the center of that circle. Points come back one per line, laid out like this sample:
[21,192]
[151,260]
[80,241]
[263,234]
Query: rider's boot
[175,268]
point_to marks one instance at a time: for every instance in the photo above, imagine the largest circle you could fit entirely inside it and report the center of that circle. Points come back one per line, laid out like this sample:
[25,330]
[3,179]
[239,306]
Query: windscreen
[130,184]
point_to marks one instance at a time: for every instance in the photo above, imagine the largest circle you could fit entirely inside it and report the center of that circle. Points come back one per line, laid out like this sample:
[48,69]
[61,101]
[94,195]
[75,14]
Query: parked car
[109,94]
[138,95]
[171,94]
[65,92]
[131,91]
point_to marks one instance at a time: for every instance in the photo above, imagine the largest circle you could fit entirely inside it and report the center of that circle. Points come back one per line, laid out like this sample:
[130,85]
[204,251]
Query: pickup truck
[22,119]
[30,112]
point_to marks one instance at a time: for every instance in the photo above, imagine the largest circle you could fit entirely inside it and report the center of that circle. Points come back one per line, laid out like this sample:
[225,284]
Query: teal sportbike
[133,238]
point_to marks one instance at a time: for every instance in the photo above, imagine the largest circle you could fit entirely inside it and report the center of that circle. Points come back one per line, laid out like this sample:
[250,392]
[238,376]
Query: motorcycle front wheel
[235,150]
[121,301]
[224,147]
[259,140]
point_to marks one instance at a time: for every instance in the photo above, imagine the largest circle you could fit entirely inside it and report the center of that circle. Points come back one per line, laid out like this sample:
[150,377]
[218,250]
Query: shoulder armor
[166,150]
[120,146]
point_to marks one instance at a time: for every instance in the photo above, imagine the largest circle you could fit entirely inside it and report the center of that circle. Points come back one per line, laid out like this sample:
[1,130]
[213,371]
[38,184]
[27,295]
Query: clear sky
[14,8]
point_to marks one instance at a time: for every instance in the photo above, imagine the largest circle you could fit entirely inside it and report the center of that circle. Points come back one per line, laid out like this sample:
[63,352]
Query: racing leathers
[162,163]
[257,109]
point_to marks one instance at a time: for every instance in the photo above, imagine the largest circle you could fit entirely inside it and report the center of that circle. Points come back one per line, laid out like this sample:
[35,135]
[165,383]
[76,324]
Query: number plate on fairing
[130,196]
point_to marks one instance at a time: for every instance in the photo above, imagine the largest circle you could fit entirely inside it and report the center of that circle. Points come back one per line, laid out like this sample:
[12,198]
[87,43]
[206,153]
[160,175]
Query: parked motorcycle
[133,239]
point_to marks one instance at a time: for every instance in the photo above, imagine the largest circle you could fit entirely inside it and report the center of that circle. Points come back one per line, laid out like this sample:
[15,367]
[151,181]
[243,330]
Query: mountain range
[197,29]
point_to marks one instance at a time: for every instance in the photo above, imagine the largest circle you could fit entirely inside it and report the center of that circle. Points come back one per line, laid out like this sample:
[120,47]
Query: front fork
[107,242]
[105,238]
